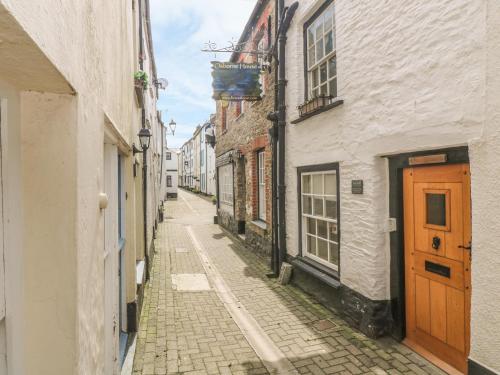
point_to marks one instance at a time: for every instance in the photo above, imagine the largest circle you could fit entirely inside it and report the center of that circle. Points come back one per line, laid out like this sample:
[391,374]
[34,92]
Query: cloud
[180,30]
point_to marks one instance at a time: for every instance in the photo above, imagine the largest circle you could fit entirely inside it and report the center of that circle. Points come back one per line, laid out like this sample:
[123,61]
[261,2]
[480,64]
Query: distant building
[172,171]
[196,146]
[187,165]
[207,158]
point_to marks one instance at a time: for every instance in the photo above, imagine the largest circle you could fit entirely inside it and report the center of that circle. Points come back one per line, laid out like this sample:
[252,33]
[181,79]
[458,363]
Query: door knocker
[436,242]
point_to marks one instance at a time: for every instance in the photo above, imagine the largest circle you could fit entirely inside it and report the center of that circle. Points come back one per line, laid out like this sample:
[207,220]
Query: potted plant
[214,200]
[314,104]
[141,79]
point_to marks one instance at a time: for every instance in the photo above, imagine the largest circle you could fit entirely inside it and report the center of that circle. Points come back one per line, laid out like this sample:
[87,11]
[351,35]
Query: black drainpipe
[283,19]
[274,168]
[144,153]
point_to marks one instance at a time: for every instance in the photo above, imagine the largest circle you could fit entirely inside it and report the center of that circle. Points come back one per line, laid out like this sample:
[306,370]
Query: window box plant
[140,85]
[141,79]
[314,104]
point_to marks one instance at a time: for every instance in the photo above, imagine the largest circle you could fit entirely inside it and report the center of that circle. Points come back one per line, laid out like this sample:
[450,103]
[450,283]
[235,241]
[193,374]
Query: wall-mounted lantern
[172,125]
[144,139]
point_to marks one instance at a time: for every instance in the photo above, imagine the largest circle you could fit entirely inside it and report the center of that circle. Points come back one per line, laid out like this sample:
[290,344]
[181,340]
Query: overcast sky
[180,30]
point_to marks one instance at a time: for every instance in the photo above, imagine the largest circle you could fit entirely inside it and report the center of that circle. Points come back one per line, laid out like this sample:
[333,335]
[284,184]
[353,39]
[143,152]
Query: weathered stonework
[245,132]
[258,239]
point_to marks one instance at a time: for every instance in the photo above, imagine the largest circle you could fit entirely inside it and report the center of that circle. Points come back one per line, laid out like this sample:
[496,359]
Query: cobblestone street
[210,309]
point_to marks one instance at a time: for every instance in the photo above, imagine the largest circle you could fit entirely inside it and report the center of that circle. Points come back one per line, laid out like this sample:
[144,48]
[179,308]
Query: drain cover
[190,282]
[181,250]
[324,325]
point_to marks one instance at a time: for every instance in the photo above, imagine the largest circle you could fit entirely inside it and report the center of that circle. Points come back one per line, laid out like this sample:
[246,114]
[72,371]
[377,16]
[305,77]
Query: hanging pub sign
[236,81]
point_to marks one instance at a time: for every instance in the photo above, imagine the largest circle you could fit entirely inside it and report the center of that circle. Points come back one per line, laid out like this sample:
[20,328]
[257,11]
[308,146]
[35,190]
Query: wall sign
[235,81]
[428,159]
[357,186]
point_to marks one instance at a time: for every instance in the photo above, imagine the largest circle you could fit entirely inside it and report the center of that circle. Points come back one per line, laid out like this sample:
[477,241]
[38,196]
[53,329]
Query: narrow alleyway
[210,309]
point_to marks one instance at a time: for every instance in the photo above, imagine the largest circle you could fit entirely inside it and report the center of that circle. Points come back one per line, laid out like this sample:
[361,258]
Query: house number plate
[357,186]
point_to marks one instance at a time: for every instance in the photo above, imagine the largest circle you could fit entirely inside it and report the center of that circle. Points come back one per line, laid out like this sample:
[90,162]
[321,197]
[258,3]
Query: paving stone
[191,332]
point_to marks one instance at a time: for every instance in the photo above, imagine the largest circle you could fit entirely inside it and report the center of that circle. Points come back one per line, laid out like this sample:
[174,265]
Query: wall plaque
[428,159]
[357,186]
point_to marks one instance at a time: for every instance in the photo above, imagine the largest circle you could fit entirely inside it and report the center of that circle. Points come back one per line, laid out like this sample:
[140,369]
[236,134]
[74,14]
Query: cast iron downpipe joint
[279,119]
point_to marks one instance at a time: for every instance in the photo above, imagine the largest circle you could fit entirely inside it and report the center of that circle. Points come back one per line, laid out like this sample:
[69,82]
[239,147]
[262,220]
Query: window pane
[319,31]
[323,249]
[315,93]
[318,207]
[322,231]
[324,89]
[332,67]
[311,245]
[334,253]
[311,57]
[306,184]
[310,37]
[333,232]
[329,42]
[331,208]
[436,209]
[333,88]
[322,73]
[307,205]
[311,226]
[314,76]
[318,184]
[328,20]
[330,184]
[319,50]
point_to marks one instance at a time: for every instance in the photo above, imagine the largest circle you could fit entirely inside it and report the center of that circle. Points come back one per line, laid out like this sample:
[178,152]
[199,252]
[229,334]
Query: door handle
[465,247]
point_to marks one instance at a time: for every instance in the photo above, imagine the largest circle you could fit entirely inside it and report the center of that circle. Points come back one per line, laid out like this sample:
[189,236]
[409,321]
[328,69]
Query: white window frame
[330,222]
[226,184]
[261,185]
[316,48]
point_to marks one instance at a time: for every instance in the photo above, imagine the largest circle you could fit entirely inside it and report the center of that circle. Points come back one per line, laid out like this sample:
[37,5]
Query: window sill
[319,271]
[326,108]
[259,223]
[139,272]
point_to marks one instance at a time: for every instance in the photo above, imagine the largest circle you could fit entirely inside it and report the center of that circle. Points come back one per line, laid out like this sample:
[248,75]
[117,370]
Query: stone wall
[246,131]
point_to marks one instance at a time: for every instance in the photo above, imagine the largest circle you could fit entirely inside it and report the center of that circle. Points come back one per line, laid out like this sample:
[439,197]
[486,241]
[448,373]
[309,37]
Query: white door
[111,286]
[2,270]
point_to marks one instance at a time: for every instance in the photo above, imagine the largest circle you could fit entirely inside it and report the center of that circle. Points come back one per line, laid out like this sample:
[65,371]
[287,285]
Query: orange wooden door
[437,261]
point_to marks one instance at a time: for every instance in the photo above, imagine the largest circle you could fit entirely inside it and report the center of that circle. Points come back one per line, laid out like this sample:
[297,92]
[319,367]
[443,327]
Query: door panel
[437,265]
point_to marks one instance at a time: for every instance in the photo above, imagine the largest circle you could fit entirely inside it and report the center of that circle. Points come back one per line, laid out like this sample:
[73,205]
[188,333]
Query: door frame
[397,163]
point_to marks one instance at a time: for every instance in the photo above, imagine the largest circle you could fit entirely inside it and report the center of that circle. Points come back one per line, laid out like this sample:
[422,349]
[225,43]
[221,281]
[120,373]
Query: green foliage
[142,77]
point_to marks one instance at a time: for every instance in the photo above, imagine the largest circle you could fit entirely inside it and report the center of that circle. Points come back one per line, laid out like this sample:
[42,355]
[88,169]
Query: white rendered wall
[414,75]
[485,324]
[90,44]
[12,332]
[406,88]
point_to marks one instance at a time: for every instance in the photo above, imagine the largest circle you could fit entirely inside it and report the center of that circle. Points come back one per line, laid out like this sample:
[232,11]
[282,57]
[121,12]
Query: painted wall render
[55,281]
[414,75]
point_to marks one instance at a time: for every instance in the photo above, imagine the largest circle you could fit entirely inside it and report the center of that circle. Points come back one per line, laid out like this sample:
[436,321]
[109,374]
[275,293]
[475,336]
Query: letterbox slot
[438,269]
